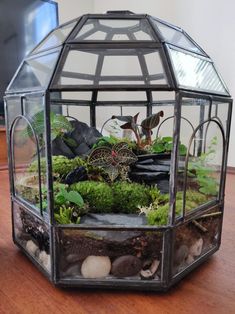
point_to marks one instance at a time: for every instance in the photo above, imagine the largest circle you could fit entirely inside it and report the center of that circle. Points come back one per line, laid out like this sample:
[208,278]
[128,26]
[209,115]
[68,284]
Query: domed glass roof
[118,50]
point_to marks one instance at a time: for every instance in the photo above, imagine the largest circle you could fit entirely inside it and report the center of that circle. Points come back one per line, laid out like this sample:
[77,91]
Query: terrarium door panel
[27,143]
[200,169]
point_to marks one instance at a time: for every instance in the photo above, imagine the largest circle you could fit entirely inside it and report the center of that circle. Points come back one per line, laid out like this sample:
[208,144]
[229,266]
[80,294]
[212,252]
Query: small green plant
[67,215]
[63,196]
[165,145]
[199,168]
[59,126]
[157,213]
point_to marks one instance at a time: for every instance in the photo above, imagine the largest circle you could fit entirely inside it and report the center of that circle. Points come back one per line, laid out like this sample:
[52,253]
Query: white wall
[211,23]
[70,9]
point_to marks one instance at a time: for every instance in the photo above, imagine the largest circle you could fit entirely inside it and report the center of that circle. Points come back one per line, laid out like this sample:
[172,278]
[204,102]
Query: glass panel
[133,167]
[35,73]
[115,29]
[113,66]
[176,37]
[56,38]
[202,137]
[28,148]
[195,239]
[196,73]
[33,235]
[110,255]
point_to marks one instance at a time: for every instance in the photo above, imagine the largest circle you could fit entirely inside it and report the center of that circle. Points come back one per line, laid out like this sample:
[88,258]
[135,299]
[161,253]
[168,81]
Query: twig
[199,226]
[211,215]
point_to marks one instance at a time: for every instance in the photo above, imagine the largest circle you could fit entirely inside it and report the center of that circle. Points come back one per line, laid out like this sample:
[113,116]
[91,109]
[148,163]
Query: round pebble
[45,260]
[31,247]
[96,267]
[196,248]
[125,266]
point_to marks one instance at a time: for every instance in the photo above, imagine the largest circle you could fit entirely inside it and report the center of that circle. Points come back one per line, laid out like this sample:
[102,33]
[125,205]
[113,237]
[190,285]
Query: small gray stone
[72,271]
[181,255]
[190,259]
[126,266]
[96,267]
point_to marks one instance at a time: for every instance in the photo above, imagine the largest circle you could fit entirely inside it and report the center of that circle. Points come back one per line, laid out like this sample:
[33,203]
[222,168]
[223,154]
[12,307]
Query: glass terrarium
[118,129]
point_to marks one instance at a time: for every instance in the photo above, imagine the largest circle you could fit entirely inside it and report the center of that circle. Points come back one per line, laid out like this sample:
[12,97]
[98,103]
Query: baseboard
[231,170]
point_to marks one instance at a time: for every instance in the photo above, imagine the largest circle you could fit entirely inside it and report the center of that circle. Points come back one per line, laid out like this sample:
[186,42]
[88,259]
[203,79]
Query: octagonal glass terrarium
[118,128]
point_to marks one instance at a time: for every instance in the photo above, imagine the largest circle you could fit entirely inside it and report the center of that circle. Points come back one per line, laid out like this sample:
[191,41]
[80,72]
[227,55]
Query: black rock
[147,176]
[126,266]
[146,161]
[152,167]
[82,149]
[163,186]
[83,134]
[78,174]
[59,147]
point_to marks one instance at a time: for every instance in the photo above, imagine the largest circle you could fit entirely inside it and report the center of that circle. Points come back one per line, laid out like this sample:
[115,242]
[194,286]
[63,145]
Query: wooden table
[208,290]
[3,147]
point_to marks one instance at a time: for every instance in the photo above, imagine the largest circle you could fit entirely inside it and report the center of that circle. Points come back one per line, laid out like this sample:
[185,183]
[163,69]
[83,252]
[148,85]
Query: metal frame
[168,232]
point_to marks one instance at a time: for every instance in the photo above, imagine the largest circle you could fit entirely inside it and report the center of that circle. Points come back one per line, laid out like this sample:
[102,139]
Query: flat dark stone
[148,176]
[114,219]
[146,161]
[153,168]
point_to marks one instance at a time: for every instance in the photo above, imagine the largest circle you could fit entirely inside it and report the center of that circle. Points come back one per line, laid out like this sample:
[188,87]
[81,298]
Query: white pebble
[196,248]
[190,259]
[96,267]
[31,247]
[45,260]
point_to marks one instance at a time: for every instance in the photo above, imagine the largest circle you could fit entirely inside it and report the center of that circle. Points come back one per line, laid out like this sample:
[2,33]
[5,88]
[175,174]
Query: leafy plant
[114,161]
[150,123]
[63,197]
[199,167]
[146,126]
[59,126]
[165,145]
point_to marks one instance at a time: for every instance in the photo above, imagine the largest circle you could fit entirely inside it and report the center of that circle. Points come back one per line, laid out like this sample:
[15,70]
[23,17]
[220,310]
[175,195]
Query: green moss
[159,214]
[61,165]
[129,196]
[98,195]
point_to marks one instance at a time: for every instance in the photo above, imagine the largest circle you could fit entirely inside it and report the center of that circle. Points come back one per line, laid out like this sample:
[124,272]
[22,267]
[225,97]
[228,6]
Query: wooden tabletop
[210,289]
